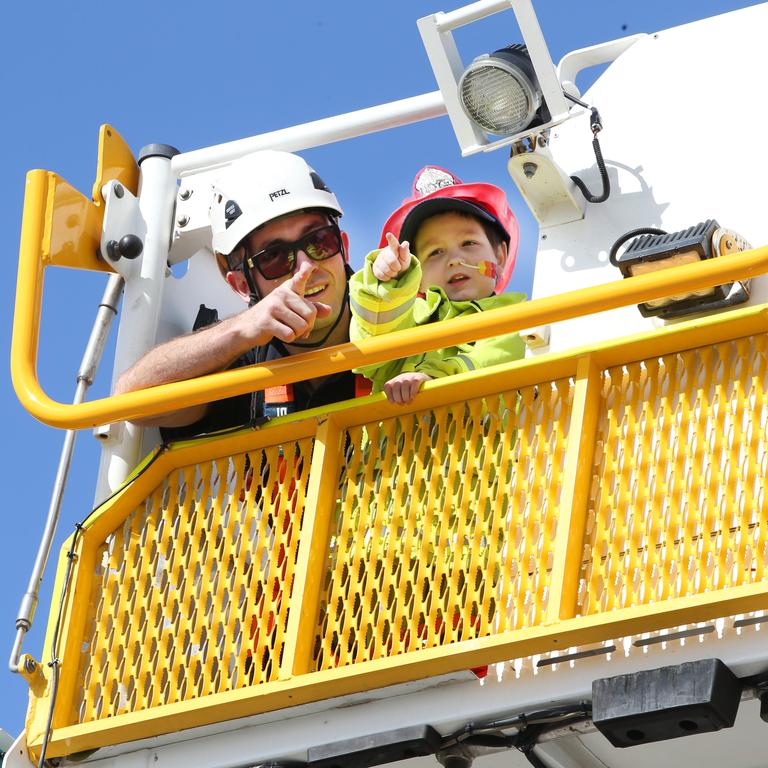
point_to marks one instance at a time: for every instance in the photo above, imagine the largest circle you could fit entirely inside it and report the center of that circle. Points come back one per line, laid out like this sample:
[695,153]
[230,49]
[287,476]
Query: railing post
[312,557]
[577,476]
[144,286]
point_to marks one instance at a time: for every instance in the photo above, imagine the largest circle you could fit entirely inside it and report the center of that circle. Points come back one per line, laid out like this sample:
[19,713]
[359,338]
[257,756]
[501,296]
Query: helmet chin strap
[348,271]
[315,344]
[254,298]
[253,293]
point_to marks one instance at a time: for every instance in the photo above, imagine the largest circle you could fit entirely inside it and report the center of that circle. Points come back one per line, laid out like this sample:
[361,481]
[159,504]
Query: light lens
[497,96]
[686,257]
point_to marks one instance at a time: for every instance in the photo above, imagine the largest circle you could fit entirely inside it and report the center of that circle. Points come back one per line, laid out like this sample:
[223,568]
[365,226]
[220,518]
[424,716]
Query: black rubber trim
[157,150]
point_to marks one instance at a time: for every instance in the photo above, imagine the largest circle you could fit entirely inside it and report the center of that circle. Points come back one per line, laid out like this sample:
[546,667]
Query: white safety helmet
[260,187]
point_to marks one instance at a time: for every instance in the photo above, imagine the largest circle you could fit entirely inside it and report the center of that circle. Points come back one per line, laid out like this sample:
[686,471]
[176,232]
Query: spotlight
[653,250]
[500,93]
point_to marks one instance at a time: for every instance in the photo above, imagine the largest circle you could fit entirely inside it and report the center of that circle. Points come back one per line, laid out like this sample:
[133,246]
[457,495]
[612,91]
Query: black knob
[128,247]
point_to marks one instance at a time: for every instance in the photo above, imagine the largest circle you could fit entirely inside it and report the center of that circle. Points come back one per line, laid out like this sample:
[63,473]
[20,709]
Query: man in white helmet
[278,244]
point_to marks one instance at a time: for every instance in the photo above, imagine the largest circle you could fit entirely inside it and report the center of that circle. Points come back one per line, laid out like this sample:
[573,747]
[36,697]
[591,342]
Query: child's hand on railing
[393,260]
[403,388]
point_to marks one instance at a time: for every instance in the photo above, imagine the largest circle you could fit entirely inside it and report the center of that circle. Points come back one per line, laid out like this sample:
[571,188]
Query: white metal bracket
[550,194]
[110,434]
[575,61]
[448,68]
[537,337]
[436,34]
[17,755]
[192,227]
[121,217]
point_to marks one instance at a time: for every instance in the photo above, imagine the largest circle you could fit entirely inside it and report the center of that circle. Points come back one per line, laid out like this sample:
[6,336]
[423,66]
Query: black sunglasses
[279,259]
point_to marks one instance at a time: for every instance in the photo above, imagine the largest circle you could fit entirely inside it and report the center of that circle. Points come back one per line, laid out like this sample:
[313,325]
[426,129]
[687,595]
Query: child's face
[444,241]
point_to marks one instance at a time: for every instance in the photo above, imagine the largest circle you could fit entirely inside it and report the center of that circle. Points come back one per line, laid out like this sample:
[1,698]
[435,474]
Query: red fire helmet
[436,190]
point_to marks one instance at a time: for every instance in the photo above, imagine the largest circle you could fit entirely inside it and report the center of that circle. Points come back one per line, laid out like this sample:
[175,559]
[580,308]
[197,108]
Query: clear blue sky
[192,74]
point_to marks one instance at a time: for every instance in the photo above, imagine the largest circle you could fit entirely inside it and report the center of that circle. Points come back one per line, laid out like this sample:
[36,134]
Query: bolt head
[119,191]
[182,221]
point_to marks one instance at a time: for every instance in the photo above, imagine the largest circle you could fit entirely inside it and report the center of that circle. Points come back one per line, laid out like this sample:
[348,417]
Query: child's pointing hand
[393,260]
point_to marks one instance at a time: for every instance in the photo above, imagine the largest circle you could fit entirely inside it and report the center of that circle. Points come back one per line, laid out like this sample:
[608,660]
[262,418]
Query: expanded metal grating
[445,526]
[192,591]
[678,503]
[444,529]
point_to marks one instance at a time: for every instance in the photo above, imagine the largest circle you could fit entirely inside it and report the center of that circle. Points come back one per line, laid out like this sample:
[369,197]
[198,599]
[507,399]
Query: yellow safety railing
[535,506]
[543,504]
[60,227]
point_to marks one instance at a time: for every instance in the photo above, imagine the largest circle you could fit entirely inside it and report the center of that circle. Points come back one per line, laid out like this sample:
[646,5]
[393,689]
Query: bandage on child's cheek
[485,268]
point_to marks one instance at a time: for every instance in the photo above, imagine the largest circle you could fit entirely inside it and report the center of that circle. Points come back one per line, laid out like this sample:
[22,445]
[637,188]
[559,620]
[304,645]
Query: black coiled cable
[596,126]
[628,236]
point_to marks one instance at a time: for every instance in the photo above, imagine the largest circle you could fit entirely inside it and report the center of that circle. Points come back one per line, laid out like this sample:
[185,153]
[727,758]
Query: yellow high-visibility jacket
[383,306]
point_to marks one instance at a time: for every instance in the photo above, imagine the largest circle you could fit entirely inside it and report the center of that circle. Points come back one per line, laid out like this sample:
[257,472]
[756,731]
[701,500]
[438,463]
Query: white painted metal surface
[316,133]
[140,310]
[17,755]
[549,193]
[679,110]
[447,22]
[576,61]
[122,216]
[448,67]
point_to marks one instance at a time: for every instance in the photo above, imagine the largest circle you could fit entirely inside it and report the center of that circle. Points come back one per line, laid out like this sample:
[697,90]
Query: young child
[463,242]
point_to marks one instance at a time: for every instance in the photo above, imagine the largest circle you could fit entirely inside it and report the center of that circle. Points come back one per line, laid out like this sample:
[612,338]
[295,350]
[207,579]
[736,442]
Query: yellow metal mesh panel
[678,501]
[191,592]
[445,526]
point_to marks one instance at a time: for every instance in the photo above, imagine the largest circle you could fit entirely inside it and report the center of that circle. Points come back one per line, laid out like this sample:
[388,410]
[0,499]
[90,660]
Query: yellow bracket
[32,671]
[60,227]
[322,362]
